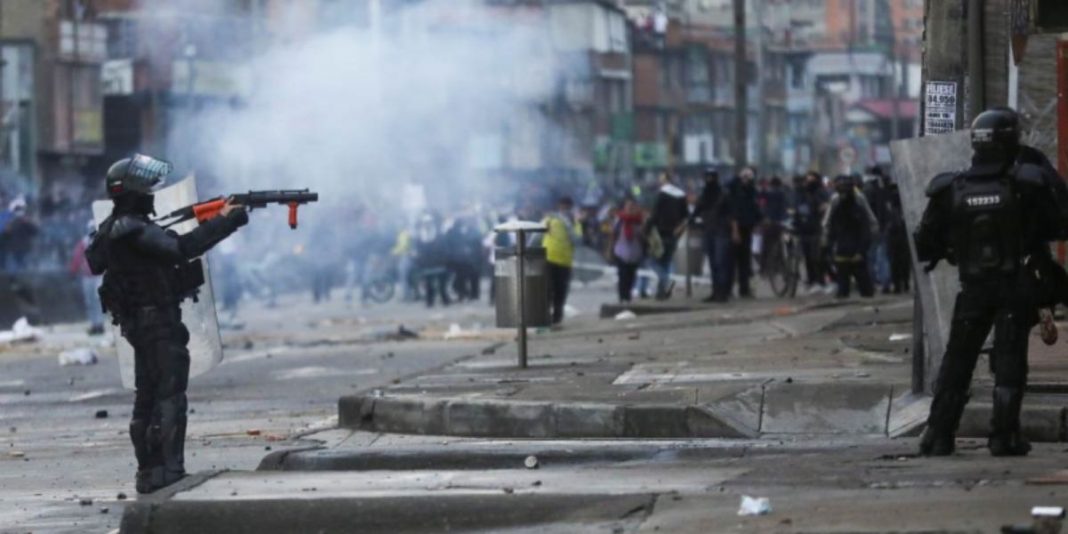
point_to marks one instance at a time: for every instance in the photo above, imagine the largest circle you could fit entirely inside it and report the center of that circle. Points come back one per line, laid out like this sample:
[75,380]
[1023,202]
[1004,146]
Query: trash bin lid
[515,226]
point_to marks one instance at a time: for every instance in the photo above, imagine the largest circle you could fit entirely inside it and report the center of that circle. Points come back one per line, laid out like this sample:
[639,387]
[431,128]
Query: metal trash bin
[690,254]
[506,297]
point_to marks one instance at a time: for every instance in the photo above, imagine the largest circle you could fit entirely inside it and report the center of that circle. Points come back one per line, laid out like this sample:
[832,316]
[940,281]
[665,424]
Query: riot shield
[205,345]
[915,163]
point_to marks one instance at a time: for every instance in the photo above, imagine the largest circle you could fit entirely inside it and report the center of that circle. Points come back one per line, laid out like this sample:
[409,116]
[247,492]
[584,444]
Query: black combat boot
[172,438]
[149,464]
[1005,437]
[940,437]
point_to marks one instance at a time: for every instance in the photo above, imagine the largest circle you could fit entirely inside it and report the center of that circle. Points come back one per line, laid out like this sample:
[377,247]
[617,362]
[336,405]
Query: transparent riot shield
[915,163]
[205,345]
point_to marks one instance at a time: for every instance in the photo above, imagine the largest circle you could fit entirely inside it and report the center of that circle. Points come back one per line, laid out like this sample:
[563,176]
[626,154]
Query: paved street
[284,370]
[816,389]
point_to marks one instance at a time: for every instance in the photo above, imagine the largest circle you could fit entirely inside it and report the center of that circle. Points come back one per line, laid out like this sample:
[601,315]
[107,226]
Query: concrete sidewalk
[388,483]
[809,393]
[743,370]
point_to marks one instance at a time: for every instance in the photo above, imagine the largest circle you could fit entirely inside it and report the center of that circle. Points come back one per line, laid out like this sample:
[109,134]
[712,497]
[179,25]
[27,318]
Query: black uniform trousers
[161,369]
[1004,305]
[743,260]
[559,284]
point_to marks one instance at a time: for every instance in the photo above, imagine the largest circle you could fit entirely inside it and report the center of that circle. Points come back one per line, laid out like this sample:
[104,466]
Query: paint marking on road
[318,372]
[257,354]
[12,383]
[96,394]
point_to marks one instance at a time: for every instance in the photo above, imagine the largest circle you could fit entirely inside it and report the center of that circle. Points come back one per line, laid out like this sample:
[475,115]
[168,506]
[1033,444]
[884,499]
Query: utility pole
[741,77]
[976,72]
[897,61]
[943,60]
[762,116]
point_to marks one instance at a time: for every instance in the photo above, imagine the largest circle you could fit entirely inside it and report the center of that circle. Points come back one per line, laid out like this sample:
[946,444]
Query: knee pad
[173,407]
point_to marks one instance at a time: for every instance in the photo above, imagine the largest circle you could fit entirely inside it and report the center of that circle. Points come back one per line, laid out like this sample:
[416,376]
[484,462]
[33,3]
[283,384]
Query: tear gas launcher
[208,209]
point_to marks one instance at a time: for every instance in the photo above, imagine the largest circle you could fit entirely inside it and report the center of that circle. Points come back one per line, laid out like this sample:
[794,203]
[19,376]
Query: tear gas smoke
[440,94]
[438,104]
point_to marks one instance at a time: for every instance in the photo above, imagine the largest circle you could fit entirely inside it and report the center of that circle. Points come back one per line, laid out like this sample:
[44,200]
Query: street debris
[16,454]
[103,509]
[754,506]
[626,315]
[531,462]
[509,491]
[21,332]
[571,311]
[404,333]
[101,414]
[456,332]
[492,349]
[85,502]
[252,432]
[900,337]
[120,497]
[82,356]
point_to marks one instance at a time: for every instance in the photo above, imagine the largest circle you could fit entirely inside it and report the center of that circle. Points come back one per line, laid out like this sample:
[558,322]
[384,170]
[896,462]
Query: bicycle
[782,263]
[382,278]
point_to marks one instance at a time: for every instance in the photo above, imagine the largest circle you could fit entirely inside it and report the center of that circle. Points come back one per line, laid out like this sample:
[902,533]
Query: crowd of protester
[850,229]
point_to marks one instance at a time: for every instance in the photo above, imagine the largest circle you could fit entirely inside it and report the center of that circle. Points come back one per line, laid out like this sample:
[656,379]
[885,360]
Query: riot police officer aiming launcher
[987,220]
[147,272]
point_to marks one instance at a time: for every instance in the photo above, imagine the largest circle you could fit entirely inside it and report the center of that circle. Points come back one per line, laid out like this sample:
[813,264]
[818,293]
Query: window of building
[797,75]
[122,37]
[617,96]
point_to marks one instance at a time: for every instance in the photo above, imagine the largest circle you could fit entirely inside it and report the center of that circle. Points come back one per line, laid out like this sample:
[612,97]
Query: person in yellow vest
[402,253]
[560,240]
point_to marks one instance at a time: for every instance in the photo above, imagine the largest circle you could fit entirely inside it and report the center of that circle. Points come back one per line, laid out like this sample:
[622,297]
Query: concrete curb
[137,517]
[906,416]
[417,414]
[1041,423]
[460,457]
[609,310]
[430,513]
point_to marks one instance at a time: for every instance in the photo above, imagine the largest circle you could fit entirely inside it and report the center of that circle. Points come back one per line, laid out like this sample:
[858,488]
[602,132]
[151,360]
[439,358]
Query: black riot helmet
[996,136]
[136,175]
[845,185]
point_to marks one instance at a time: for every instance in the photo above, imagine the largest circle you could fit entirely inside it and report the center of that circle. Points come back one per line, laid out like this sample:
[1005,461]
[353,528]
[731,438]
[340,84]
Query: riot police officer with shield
[147,272]
[987,220]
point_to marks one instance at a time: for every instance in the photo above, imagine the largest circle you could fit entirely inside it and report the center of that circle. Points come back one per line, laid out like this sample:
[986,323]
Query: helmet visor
[149,171]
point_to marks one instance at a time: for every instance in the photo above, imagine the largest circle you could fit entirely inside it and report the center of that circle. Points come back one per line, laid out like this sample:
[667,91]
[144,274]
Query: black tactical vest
[132,279]
[987,225]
